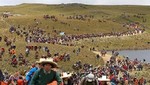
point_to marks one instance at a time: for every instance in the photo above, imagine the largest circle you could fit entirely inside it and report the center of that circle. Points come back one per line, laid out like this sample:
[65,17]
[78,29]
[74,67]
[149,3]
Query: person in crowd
[21,81]
[89,80]
[33,70]
[46,75]
[66,78]
[1,76]
[13,78]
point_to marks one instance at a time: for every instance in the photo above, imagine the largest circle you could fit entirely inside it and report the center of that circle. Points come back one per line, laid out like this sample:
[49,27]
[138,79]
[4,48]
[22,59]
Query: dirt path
[105,58]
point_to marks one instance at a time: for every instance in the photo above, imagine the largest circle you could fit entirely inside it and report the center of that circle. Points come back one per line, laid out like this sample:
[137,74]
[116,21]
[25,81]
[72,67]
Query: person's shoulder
[83,79]
[53,71]
[33,69]
[40,70]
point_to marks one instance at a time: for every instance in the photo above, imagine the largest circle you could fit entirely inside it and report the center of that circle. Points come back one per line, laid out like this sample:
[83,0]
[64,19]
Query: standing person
[46,75]
[13,78]
[27,51]
[89,80]
[1,76]
[20,81]
[31,72]
[66,78]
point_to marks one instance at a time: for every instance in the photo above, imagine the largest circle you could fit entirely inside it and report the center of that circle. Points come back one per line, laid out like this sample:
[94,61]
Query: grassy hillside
[110,14]
[114,17]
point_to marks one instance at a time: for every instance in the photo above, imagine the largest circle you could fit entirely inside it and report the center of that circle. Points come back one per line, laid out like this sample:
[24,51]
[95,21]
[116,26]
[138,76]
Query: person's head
[48,64]
[39,63]
[16,73]
[66,77]
[90,77]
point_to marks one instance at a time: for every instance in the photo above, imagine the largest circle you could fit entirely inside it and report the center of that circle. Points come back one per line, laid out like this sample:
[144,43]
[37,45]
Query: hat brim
[67,76]
[100,79]
[38,62]
[89,80]
[53,64]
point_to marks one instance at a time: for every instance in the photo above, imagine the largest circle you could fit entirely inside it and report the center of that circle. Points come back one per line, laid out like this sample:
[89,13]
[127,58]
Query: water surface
[139,54]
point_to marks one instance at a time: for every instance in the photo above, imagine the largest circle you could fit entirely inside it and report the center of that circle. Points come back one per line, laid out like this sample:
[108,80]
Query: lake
[139,54]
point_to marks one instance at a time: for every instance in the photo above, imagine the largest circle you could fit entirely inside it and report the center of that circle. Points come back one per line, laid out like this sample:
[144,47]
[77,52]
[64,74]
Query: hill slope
[97,19]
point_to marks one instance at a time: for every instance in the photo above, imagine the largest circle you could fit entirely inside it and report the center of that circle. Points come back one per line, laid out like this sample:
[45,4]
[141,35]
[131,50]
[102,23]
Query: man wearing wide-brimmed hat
[104,80]
[66,77]
[46,75]
[39,63]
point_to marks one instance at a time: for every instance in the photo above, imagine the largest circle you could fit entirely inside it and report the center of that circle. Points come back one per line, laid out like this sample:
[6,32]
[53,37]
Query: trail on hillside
[105,58]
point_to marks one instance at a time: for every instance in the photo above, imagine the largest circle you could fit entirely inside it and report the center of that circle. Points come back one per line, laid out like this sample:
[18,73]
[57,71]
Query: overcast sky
[95,2]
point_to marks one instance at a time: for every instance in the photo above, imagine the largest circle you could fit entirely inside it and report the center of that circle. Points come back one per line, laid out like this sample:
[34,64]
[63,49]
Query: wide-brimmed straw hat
[66,75]
[40,61]
[49,61]
[103,79]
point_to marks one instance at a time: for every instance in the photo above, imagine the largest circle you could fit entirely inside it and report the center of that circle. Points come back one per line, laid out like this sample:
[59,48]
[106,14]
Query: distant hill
[113,16]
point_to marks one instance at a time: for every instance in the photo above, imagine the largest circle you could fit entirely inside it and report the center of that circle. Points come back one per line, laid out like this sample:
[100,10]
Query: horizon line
[78,3]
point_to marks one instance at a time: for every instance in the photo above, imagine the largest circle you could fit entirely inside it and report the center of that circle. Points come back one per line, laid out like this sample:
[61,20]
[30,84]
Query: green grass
[121,43]
[53,49]
[110,14]
[32,11]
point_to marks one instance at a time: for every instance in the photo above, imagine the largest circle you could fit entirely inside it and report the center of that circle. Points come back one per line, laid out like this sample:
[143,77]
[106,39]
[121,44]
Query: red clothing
[124,78]
[20,82]
[3,83]
[125,67]
[2,49]
[111,77]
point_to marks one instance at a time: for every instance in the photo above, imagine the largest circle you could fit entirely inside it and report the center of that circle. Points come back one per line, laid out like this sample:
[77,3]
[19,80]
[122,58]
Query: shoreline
[132,49]
[105,58]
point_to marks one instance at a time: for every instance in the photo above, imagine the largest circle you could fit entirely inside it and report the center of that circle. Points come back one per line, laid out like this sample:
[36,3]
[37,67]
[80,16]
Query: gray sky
[95,2]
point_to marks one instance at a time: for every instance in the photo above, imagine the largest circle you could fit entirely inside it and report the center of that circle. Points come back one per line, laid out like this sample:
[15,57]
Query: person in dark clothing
[1,76]
[66,78]
[46,75]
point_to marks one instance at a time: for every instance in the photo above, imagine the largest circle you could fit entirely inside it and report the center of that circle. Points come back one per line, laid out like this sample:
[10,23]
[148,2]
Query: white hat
[49,61]
[40,61]
[66,75]
[90,77]
[103,78]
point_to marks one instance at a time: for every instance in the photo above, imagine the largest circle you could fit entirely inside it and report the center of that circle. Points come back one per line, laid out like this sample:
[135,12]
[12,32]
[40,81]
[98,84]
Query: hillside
[74,19]
[111,18]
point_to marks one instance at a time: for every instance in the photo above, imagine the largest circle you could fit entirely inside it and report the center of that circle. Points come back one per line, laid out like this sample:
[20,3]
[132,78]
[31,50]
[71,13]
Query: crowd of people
[21,58]
[115,72]
[40,36]
[81,17]
[45,71]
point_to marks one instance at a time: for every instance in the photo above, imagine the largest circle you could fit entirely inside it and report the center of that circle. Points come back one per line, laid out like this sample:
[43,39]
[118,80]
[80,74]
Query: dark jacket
[41,78]
[1,76]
